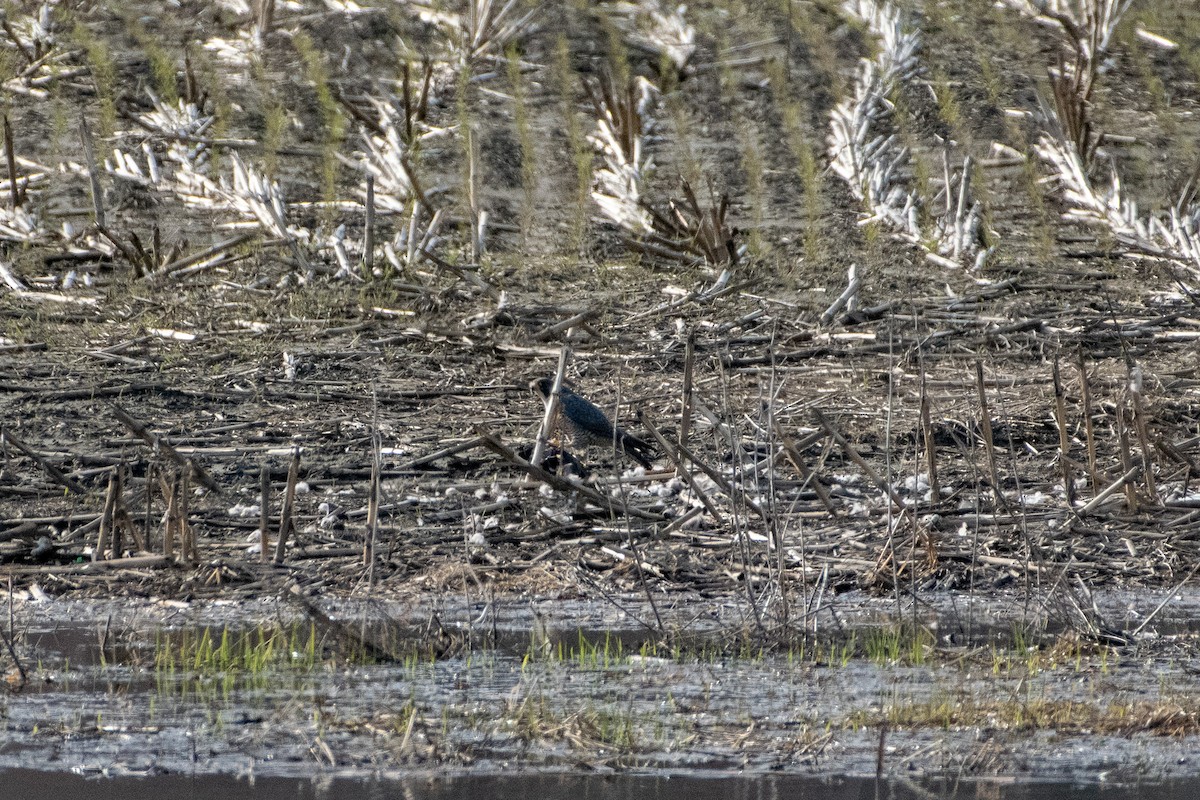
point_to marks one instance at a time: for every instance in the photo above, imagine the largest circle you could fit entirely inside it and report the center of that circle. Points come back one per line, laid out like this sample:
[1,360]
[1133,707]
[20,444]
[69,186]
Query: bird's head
[542,387]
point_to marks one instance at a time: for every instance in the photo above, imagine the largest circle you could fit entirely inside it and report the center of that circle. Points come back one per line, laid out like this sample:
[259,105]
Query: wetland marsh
[902,293]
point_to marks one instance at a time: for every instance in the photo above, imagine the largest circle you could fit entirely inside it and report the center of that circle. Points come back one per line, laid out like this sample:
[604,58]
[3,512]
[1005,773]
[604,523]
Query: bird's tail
[640,451]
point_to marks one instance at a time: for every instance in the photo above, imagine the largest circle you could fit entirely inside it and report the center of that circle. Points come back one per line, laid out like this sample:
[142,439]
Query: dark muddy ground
[808,440]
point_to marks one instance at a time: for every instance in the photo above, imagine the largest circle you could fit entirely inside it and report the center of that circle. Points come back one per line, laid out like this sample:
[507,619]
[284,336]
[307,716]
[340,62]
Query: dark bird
[587,425]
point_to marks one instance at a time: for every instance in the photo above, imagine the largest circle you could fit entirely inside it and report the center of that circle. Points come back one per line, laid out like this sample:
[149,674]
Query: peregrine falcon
[587,425]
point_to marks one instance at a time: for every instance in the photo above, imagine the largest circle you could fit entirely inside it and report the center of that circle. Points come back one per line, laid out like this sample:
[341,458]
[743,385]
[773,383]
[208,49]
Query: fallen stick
[1109,490]
[493,443]
[854,456]
[680,469]
[162,446]
[719,479]
[454,449]
[54,472]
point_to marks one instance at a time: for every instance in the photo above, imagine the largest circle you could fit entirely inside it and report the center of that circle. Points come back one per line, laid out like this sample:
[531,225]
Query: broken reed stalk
[935,491]
[187,534]
[1143,430]
[115,519]
[549,418]
[264,510]
[1085,396]
[145,536]
[53,472]
[985,426]
[264,13]
[370,535]
[493,443]
[286,523]
[10,635]
[89,153]
[469,275]
[167,486]
[11,157]
[792,451]
[1109,491]
[676,459]
[106,517]
[1072,85]
[848,299]
[162,446]
[175,268]
[454,449]
[1131,500]
[369,234]
[1064,438]
[722,482]
[857,458]
[689,365]
[564,325]
[121,522]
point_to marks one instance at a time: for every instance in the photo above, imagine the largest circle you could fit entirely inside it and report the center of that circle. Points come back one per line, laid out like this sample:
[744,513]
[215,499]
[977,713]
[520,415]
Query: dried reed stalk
[287,522]
[868,155]
[1064,438]
[1143,429]
[1085,394]
[264,510]
[985,425]
[10,157]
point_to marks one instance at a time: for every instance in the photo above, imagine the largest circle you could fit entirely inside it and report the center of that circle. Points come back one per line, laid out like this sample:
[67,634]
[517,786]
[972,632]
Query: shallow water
[590,702]
[36,785]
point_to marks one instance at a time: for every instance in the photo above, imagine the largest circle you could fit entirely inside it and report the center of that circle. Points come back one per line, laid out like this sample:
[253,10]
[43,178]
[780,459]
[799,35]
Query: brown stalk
[1143,430]
[1064,438]
[163,447]
[406,98]
[187,534]
[53,472]
[264,509]
[691,228]
[29,56]
[792,451]
[935,492]
[11,157]
[720,480]
[493,443]
[369,234]
[175,264]
[689,365]
[1126,460]
[857,458]
[11,635]
[1085,393]
[106,518]
[144,538]
[1072,98]
[680,469]
[286,522]
[264,14]
[192,93]
[621,111]
[89,153]
[469,444]
[371,534]
[1108,491]
[120,519]
[985,425]
[168,487]
[551,415]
